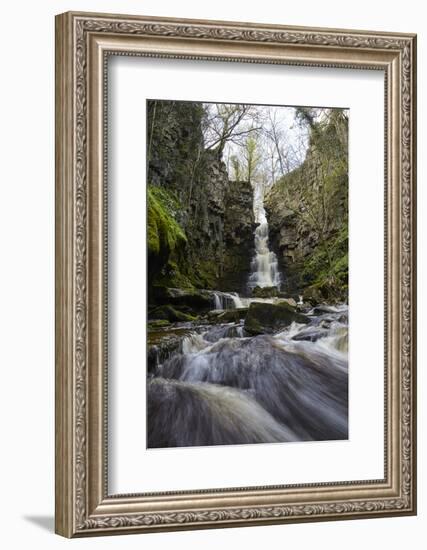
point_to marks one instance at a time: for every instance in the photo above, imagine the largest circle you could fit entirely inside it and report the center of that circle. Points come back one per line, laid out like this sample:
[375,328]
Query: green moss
[171,276]
[204,274]
[164,232]
[232,315]
[171,314]
[166,242]
[314,200]
[265,292]
[340,269]
[158,323]
[327,268]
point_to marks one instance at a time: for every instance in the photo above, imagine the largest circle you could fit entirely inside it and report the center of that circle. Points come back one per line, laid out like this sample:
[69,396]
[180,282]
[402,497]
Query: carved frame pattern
[77,513]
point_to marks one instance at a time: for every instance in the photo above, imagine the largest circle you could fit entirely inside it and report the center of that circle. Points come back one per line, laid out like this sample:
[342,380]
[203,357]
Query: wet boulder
[170,313]
[313,295]
[196,299]
[269,318]
[289,301]
[233,315]
[213,315]
[158,323]
[227,315]
[265,292]
[343,318]
[162,343]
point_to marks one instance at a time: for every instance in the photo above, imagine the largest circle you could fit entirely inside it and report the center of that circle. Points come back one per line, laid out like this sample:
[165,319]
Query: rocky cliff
[200,224]
[307,211]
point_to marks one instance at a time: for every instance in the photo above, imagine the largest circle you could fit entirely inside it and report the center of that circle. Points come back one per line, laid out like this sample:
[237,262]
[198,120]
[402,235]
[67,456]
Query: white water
[264,266]
[223,387]
[226,300]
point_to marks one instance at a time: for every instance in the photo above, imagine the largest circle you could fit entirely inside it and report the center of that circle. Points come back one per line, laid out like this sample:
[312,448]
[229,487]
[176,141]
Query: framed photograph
[235,274]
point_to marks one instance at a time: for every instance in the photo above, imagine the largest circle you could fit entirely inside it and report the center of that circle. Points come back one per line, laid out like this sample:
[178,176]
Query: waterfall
[217,301]
[226,300]
[264,266]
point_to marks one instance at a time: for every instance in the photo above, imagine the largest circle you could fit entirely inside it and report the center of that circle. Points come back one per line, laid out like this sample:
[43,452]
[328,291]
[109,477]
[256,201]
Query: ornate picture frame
[84,42]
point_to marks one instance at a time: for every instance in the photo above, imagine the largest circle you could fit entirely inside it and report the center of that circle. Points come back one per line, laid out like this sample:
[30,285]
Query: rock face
[170,313]
[239,226]
[229,315]
[199,300]
[307,211]
[162,344]
[193,192]
[265,318]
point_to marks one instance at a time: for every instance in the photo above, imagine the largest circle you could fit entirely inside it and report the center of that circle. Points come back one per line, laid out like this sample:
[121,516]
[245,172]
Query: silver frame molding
[83,43]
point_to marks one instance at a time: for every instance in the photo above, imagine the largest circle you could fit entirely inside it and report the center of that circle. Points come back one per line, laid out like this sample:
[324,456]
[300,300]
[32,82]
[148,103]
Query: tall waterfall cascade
[264,266]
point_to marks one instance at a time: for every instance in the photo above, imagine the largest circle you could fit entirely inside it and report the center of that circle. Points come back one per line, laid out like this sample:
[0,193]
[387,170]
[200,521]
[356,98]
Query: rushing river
[220,386]
[214,384]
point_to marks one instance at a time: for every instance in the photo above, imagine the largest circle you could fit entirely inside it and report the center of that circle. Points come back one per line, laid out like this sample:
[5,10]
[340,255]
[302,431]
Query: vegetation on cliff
[232,192]
[166,240]
[164,233]
[200,223]
[308,210]
[210,164]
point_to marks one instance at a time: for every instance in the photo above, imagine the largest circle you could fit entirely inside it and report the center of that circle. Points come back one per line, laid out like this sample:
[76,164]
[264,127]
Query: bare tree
[275,135]
[228,122]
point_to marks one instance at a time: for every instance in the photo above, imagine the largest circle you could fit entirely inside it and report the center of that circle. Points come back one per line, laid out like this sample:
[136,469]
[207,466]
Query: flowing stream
[222,386]
[212,383]
[264,266]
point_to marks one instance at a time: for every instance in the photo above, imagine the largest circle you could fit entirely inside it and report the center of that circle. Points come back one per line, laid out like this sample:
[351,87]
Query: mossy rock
[171,314]
[231,315]
[265,292]
[325,293]
[213,315]
[269,318]
[313,295]
[158,323]
[163,230]
[170,276]
[203,273]
[190,297]
[162,343]
[290,301]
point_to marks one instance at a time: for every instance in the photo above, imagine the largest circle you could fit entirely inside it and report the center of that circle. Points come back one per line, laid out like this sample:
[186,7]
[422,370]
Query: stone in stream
[265,292]
[170,313]
[264,318]
[310,334]
[313,295]
[193,298]
[227,315]
[162,343]
[289,301]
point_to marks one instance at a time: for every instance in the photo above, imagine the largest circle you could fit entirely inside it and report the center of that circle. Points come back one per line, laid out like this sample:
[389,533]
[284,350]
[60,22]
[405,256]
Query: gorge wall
[200,224]
[307,211]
